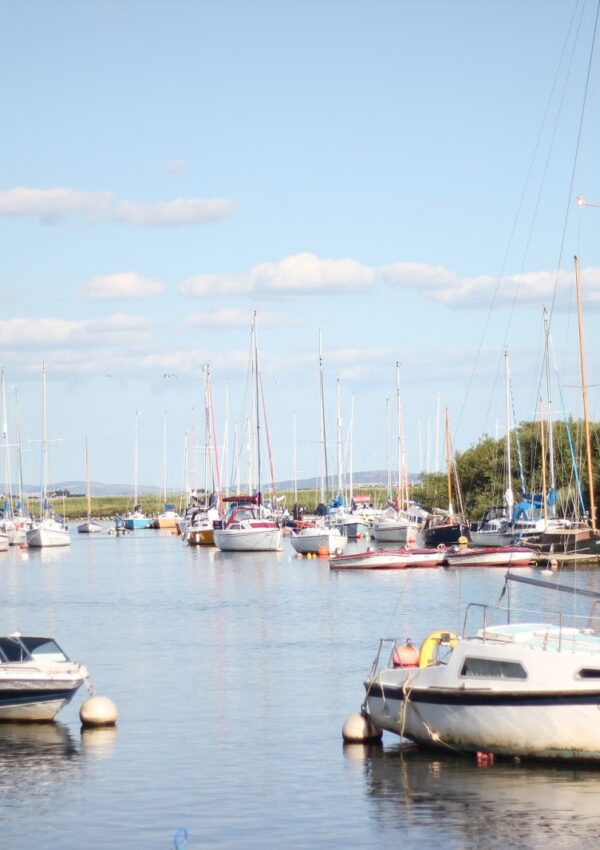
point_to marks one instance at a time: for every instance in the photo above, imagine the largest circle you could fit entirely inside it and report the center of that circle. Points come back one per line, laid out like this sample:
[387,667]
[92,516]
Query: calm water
[233,675]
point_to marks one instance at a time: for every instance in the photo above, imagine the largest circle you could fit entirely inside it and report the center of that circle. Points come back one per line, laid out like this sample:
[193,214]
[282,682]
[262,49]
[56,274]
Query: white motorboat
[318,539]
[490,556]
[388,559]
[37,679]
[247,530]
[522,687]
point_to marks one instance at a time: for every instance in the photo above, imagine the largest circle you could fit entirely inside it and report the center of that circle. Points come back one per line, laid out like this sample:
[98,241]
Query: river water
[233,675]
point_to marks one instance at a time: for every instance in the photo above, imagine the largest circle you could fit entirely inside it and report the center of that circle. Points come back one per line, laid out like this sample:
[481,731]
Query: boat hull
[42,535]
[132,523]
[500,556]
[248,539]
[317,540]
[388,559]
[90,527]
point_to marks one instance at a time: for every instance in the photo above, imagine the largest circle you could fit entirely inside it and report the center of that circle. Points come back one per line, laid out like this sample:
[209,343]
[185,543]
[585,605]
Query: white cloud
[299,274]
[176,166]
[179,211]
[206,285]
[123,285]
[51,205]
[60,333]
[446,287]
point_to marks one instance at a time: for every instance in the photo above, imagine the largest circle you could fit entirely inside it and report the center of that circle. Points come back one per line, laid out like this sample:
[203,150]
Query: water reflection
[449,801]
[99,743]
[37,760]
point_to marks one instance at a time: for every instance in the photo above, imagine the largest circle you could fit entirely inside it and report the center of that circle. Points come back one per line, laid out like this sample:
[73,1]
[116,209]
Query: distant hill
[360,480]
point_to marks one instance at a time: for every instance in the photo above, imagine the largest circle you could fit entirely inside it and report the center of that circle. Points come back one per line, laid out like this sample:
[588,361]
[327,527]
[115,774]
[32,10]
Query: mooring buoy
[98,711]
[359,728]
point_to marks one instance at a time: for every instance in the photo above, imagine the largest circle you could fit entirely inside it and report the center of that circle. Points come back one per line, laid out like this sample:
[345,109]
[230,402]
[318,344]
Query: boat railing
[556,629]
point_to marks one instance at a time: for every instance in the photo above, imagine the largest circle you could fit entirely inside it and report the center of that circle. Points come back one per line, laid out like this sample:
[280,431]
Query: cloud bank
[123,285]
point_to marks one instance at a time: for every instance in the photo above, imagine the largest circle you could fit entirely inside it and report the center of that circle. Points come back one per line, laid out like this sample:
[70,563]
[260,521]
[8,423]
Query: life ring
[428,651]
[441,546]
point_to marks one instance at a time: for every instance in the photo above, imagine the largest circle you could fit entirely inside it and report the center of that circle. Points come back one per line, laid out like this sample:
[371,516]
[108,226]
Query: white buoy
[98,711]
[359,728]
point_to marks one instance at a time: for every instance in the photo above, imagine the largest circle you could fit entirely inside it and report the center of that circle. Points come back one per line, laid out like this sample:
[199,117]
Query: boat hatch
[518,632]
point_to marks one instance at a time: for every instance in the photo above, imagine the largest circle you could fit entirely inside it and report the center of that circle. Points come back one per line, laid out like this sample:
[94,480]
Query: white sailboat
[48,530]
[248,528]
[89,526]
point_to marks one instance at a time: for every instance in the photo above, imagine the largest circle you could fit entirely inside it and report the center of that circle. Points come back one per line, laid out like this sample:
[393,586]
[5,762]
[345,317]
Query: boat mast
[324,470]
[19,452]
[449,466]
[135,460]
[257,399]
[44,493]
[7,478]
[351,459]
[400,499]
[509,499]
[88,494]
[295,461]
[340,461]
[388,449]
[164,469]
[551,470]
[586,419]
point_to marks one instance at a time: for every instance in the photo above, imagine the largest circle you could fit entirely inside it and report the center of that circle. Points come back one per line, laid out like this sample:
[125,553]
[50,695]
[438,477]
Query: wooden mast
[586,419]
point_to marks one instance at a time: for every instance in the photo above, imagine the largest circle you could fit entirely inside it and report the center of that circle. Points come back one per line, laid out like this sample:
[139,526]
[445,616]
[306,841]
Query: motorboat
[318,539]
[514,684]
[388,559]
[37,679]
[490,556]
[247,529]
[137,519]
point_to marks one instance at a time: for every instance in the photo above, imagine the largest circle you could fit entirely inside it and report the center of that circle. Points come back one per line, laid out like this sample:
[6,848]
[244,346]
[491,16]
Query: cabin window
[588,673]
[45,649]
[487,668]
[12,650]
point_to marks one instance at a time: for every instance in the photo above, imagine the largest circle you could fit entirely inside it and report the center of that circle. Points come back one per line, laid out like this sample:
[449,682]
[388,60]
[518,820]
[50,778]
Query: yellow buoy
[359,728]
[98,711]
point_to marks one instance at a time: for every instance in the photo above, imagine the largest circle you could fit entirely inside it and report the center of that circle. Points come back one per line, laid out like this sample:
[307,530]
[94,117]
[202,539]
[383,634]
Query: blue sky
[400,176]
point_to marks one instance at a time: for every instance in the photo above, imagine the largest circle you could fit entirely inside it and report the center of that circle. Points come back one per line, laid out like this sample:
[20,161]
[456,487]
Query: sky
[395,177]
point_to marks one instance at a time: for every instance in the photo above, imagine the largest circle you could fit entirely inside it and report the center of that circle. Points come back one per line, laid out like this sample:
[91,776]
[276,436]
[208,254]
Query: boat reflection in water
[37,760]
[435,801]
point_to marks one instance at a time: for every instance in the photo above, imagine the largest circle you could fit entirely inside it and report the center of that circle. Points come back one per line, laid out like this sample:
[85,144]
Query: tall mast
[88,494]
[7,478]
[544,495]
[340,462]
[400,497]
[295,461]
[449,465]
[508,493]
[351,458]
[257,399]
[586,418]
[19,452]
[44,493]
[135,460]
[323,428]
[388,453]
[551,471]
[164,468]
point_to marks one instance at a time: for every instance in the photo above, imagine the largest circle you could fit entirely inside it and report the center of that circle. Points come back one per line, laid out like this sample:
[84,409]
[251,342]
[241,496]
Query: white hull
[482,558]
[48,533]
[491,538]
[90,527]
[4,544]
[248,539]
[315,540]
[391,532]
[389,559]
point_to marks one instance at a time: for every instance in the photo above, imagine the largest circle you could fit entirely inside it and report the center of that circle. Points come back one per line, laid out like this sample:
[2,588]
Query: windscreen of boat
[13,650]
[44,649]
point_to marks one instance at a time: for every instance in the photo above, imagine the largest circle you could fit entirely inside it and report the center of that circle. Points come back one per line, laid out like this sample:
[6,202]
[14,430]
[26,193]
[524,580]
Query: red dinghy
[388,559]
[491,556]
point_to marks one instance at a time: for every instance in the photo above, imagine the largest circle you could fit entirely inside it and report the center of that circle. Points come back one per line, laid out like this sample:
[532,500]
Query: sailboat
[11,531]
[443,528]
[89,526]
[248,528]
[323,537]
[136,518]
[48,530]
[402,520]
[168,518]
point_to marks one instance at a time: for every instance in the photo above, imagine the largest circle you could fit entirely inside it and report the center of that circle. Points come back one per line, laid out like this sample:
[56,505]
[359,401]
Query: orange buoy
[323,551]
[405,656]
